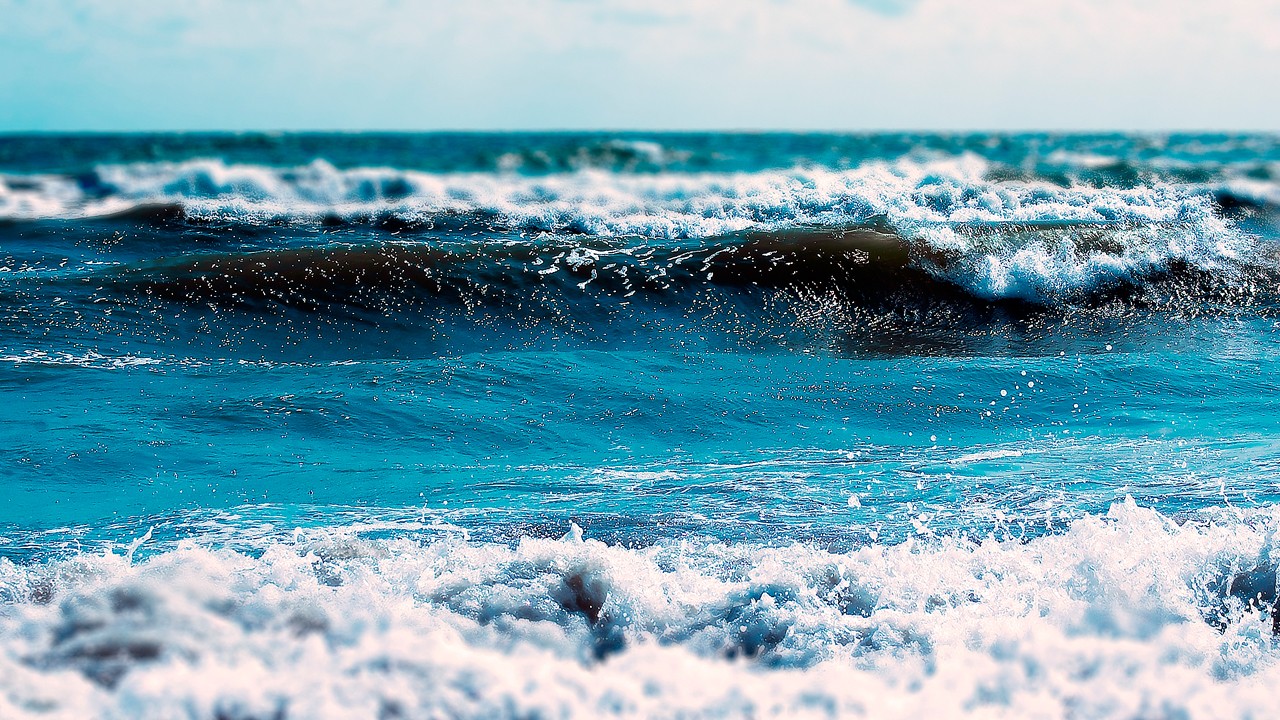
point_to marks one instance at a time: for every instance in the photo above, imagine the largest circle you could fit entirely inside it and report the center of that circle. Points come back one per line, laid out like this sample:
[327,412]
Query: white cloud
[887,7]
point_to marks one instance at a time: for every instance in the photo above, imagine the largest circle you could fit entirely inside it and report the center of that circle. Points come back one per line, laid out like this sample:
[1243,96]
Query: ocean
[583,425]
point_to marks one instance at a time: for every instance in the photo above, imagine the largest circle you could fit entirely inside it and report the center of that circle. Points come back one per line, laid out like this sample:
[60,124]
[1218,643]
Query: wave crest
[1035,241]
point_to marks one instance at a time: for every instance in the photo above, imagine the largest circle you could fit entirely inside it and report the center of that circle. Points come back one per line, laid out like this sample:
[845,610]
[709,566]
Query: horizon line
[647,131]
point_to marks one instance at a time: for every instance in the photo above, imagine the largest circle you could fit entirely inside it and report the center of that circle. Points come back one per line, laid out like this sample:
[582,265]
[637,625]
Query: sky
[108,65]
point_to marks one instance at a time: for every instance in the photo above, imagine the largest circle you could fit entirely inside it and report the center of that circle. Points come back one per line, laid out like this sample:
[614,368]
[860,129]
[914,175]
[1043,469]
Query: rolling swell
[866,266]
[801,286]
[852,290]
[1046,287]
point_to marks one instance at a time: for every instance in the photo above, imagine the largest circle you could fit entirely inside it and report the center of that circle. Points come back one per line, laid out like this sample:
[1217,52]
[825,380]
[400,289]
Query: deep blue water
[718,346]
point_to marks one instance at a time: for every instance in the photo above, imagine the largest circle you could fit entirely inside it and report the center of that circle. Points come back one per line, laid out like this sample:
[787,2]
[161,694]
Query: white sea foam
[89,359]
[986,455]
[1000,239]
[1106,619]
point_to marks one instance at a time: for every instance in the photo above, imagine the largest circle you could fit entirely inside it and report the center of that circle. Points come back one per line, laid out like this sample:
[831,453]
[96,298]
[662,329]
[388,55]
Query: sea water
[639,425]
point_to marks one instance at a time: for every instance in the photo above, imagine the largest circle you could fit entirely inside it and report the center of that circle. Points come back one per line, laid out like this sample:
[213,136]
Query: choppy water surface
[639,425]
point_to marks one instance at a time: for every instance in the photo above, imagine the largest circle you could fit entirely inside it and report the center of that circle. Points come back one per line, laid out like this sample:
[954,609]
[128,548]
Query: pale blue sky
[537,64]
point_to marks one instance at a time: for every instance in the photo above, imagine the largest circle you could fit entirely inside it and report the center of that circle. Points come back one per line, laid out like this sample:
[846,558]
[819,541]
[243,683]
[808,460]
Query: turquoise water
[824,418]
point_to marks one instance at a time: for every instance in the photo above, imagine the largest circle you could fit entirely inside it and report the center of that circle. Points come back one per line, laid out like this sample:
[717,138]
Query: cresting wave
[665,205]
[1029,240]
[852,267]
[1123,615]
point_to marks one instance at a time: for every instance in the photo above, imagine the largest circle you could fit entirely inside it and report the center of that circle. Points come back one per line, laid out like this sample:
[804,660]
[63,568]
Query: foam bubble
[1122,615]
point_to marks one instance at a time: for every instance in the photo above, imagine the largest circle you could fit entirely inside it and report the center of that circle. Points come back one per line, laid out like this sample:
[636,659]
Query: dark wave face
[857,289]
[682,425]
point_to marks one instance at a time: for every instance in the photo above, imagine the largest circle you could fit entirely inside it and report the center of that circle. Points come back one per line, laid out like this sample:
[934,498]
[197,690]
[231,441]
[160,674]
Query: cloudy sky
[651,64]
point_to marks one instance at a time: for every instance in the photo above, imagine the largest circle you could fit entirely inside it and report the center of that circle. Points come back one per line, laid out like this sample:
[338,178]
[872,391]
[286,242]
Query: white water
[1106,619]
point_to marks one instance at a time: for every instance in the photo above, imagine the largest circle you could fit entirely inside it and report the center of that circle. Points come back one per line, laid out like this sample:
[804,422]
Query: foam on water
[667,205]
[87,360]
[1122,615]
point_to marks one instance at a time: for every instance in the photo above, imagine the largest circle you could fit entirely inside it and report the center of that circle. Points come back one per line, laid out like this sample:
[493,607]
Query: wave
[1032,241]
[408,622]
[663,205]
[1018,268]
[865,261]
[1252,193]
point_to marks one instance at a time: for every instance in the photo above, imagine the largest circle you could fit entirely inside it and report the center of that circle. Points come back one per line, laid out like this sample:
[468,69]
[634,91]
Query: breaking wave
[1128,614]
[1029,240]
[856,267]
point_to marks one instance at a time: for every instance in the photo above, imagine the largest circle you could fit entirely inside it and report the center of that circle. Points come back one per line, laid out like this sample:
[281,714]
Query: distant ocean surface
[639,425]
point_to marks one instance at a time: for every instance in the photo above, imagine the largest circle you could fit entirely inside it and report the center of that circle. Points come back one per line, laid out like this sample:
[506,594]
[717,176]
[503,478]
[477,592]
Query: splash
[1093,620]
